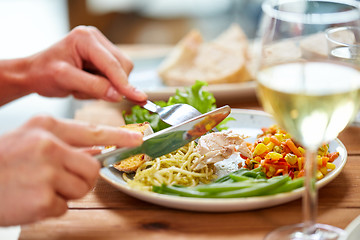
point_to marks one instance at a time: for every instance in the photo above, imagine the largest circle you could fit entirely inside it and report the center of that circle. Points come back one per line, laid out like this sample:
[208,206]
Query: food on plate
[195,96]
[171,169]
[131,164]
[223,60]
[223,165]
[242,183]
[217,146]
[278,154]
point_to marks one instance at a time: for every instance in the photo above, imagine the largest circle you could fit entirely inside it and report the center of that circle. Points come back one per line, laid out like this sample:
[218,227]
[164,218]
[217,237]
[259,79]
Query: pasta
[171,169]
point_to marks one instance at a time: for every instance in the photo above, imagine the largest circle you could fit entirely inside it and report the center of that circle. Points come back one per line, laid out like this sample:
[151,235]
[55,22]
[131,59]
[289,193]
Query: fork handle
[152,107]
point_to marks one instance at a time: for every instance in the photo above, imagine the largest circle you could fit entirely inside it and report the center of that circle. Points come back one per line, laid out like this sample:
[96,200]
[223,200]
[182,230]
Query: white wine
[313,101]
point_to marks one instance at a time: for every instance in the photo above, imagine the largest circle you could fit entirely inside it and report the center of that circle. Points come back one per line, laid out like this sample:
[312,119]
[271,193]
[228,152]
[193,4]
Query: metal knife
[169,139]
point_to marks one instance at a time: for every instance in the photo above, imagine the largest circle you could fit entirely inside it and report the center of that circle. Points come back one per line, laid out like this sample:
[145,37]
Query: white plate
[145,77]
[247,122]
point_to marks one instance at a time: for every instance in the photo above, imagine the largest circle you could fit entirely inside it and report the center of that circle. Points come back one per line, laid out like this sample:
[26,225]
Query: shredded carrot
[275,146]
[333,156]
[293,148]
[324,161]
[301,173]
[274,140]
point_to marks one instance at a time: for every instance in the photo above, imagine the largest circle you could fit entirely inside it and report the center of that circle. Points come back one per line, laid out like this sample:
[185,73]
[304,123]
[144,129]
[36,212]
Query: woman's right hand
[44,163]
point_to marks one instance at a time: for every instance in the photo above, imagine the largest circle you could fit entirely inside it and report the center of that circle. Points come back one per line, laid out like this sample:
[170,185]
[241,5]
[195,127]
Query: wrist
[13,79]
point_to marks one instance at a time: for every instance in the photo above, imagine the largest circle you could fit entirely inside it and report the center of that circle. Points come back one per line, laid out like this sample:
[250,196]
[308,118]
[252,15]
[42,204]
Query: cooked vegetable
[278,154]
[241,183]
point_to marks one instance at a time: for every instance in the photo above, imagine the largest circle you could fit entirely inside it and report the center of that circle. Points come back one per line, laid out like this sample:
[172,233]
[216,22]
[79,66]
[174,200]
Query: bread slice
[131,164]
[223,60]
[283,51]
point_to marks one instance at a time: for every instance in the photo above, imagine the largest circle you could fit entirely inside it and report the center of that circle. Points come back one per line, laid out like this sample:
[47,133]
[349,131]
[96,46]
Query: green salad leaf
[195,96]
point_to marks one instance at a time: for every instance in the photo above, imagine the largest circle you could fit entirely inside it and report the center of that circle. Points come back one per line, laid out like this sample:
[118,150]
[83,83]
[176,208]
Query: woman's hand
[85,64]
[44,163]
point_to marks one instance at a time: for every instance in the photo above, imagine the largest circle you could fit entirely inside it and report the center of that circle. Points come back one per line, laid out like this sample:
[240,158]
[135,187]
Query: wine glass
[343,43]
[309,95]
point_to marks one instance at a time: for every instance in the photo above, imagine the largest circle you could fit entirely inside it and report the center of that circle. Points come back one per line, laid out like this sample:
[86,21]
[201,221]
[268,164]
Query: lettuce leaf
[195,96]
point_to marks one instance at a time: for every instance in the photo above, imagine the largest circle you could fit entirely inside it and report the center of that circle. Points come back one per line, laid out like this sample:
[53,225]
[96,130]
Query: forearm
[13,79]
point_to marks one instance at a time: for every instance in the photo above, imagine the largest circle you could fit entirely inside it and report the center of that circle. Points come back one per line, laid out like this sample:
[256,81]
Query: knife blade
[169,139]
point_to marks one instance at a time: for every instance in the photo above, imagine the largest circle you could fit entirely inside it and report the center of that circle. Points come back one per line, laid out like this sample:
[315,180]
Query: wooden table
[106,213]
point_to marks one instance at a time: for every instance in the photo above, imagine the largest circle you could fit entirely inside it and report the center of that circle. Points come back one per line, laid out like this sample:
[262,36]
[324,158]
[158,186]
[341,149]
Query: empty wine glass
[309,95]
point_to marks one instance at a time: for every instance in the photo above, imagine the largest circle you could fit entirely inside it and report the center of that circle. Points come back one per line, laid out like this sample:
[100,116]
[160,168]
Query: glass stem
[310,194]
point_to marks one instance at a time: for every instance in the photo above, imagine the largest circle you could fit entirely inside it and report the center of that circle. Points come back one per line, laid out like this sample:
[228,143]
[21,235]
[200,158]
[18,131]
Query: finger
[51,206]
[81,96]
[88,84]
[78,133]
[70,186]
[92,50]
[60,206]
[78,169]
[92,151]
[125,61]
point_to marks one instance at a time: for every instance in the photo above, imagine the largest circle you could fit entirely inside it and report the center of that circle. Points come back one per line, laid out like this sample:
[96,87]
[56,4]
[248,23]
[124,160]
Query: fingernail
[140,93]
[112,94]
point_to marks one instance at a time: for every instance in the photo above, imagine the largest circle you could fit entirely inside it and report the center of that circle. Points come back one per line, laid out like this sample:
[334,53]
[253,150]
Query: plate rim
[220,204]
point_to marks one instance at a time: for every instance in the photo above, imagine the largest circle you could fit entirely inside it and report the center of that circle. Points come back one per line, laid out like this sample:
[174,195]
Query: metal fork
[174,114]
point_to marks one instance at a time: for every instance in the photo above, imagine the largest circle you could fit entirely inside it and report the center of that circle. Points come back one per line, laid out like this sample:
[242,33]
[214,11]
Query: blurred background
[29,26]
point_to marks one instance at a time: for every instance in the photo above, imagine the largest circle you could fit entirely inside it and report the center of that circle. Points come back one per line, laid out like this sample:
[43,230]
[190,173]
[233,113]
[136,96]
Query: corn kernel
[323,170]
[270,146]
[273,155]
[279,136]
[266,140]
[319,161]
[302,151]
[291,158]
[278,149]
[319,175]
[323,150]
[300,163]
[259,149]
[330,166]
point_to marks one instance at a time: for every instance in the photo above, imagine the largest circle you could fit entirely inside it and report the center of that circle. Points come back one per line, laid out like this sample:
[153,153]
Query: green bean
[178,191]
[222,187]
[255,173]
[237,178]
[288,186]
[241,183]
[227,177]
[230,190]
[256,190]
